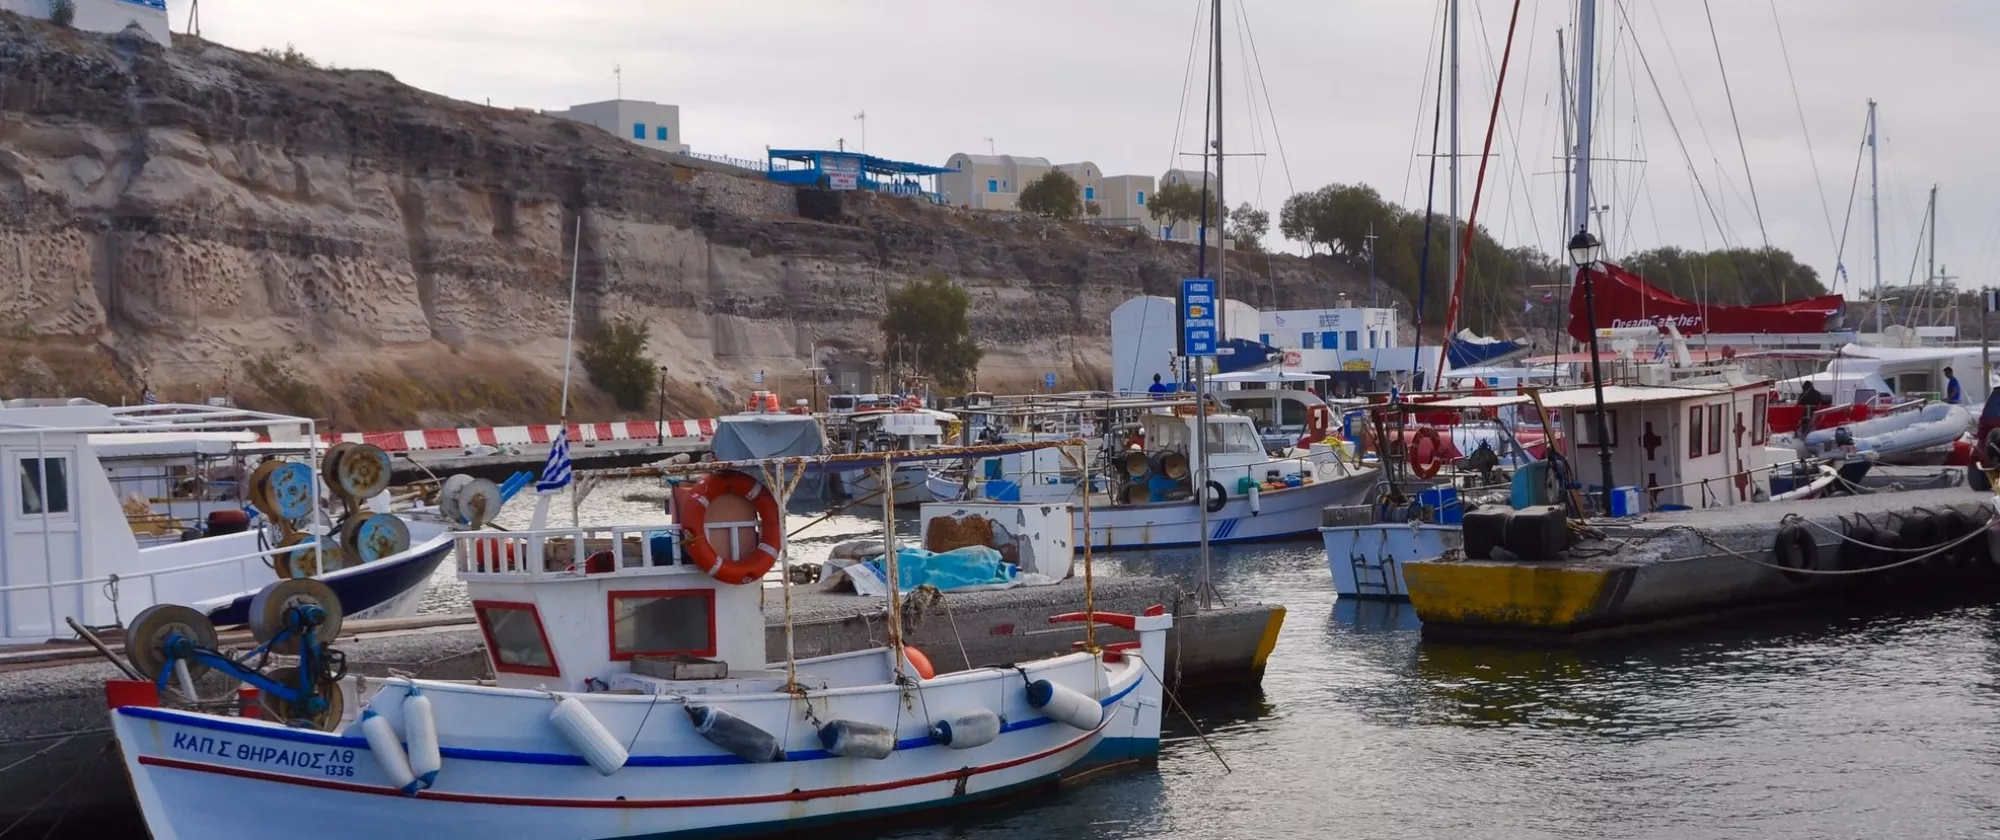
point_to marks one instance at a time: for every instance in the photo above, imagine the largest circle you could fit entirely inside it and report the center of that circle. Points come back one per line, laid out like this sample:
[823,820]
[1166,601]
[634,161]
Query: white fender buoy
[1256,504]
[855,739]
[966,730]
[1066,705]
[425,758]
[740,737]
[588,737]
[388,751]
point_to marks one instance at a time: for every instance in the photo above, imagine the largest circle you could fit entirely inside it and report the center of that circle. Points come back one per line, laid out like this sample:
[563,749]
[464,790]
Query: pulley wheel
[301,562]
[376,537]
[329,465]
[448,499]
[347,535]
[282,710]
[260,489]
[363,471]
[269,606]
[478,502]
[146,640]
[292,492]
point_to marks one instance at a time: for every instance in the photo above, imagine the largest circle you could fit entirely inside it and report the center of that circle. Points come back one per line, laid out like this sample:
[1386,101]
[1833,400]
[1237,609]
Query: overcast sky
[1348,86]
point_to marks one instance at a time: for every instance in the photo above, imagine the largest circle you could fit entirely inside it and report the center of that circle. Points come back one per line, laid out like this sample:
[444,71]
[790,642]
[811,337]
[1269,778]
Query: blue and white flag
[556,471]
[1660,351]
[148,398]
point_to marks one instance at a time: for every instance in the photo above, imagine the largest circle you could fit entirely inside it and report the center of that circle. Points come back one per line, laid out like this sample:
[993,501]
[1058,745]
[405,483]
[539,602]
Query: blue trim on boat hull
[307,736]
[376,584]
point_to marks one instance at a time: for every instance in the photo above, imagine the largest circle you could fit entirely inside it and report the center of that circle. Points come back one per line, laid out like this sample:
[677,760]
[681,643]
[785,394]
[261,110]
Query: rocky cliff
[333,241]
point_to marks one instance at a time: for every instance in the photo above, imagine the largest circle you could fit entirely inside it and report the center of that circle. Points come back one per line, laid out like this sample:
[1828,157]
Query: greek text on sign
[1198,337]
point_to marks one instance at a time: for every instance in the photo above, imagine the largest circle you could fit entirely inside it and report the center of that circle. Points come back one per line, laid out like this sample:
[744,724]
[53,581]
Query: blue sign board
[1049,381]
[1198,317]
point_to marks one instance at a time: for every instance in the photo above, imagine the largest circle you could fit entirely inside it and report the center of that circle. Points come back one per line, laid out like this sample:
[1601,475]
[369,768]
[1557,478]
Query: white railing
[567,552]
[112,589]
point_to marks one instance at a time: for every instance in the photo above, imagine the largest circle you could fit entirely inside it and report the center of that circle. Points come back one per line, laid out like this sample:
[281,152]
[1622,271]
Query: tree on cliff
[1247,226]
[616,361]
[928,326]
[1178,204]
[1055,195]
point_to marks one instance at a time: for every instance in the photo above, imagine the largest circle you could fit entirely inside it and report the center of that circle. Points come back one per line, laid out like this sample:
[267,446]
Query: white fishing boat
[633,699]
[907,428]
[67,549]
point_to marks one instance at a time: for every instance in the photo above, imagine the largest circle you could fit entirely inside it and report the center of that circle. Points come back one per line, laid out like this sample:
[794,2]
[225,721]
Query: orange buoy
[920,662]
[717,487]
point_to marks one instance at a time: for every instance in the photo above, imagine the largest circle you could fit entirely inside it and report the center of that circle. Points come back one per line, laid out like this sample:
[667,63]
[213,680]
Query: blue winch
[287,618]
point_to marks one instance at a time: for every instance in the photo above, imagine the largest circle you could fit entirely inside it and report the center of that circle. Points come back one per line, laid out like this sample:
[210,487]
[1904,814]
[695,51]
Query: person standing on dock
[1810,399]
[1952,393]
[1159,389]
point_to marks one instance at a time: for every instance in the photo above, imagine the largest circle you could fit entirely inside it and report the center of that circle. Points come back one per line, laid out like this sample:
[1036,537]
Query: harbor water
[1853,724]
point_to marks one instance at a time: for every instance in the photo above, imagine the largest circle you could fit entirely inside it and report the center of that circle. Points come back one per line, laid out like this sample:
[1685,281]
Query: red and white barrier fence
[419,440]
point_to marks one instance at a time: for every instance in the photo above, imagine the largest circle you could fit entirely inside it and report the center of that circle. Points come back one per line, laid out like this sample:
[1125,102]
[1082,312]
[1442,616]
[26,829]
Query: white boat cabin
[1234,448]
[66,547]
[575,609]
[1678,447]
[901,430]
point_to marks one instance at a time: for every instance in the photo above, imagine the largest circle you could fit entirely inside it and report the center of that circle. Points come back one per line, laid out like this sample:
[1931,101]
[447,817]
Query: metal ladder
[1381,583]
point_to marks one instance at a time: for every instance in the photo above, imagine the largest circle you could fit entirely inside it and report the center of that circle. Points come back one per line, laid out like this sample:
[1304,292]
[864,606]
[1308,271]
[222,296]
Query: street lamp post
[1584,250]
[662,428]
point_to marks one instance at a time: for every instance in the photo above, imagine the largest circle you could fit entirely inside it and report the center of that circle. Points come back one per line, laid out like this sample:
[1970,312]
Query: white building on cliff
[104,15]
[649,124]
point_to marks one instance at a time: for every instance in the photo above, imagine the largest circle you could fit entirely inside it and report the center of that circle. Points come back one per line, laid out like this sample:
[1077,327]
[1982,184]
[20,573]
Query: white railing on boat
[253,571]
[568,552]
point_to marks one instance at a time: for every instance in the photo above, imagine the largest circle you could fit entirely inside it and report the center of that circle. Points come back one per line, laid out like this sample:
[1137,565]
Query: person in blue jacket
[1952,393]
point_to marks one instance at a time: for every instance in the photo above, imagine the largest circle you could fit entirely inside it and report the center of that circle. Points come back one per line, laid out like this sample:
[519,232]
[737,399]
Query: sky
[1317,91]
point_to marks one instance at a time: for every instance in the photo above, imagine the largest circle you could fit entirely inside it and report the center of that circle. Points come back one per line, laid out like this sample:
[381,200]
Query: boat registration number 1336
[333,762]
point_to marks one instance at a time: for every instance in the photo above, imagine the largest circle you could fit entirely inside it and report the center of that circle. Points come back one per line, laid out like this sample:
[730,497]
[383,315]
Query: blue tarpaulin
[974,565]
[1467,350]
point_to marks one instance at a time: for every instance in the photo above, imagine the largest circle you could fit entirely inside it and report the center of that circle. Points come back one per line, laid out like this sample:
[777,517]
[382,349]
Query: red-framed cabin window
[1715,429]
[1694,431]
[515,635]
[1760,419]
[661,622]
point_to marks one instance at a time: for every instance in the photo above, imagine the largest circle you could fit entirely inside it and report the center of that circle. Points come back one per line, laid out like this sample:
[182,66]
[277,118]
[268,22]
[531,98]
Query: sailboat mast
[1875,211]
[1206,587]
[1586,67]
[1452,171]
[1931,273]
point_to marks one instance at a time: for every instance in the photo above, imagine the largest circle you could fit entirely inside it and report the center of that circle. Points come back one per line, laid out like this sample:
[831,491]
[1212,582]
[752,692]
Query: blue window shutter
[1089,193]
[1263,338]
[1371,339]
[638,131]
[1351,343]
[660,133]
[1142,198]
[1330,340]
[993,185]
[1306,340]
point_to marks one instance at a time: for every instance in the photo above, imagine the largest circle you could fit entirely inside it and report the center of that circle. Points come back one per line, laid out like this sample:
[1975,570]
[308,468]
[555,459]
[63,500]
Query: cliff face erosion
[334,242]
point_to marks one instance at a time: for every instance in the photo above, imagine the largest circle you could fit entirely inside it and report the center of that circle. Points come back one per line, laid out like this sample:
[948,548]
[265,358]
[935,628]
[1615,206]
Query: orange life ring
[1425,451]
[770,527]
[920,662]
[492,555]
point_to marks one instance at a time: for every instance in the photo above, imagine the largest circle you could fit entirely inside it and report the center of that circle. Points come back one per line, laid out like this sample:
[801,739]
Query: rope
[81,768]
[41,752]
[1171,697]
[1704,537]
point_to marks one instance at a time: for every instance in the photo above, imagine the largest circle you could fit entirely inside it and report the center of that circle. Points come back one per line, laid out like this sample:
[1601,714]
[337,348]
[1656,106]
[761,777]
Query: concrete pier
[56,746]
[1673,569]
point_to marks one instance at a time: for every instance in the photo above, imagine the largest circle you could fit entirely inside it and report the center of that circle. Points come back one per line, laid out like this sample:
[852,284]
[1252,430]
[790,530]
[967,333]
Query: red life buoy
[1426,452]
[770,527]
[492,555]
[919,662]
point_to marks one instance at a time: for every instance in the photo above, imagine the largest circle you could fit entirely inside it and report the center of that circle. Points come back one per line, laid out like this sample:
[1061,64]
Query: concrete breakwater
[57,756]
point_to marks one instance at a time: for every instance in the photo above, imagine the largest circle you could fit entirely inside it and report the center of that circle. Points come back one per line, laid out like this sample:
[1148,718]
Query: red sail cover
[1624,300]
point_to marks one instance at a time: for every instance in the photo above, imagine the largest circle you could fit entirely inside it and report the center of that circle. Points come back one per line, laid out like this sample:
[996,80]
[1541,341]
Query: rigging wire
[1750,179]
[1423,91]
[1847,218]
[1674,128]
[1430,216]
[1258,146]
[1721,213]
[1798,105]
[1187,79]
[1264,82]
[1478,186]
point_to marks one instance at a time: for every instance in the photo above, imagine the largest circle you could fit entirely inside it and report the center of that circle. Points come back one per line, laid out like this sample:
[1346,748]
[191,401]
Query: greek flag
[148,398]
[1660,351]
[556,472]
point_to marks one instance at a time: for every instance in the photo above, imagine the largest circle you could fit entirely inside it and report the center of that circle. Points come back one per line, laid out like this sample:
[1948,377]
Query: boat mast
[1205,588]
[1875,211]
[1568,162]
[1931,273]
[1451,172]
